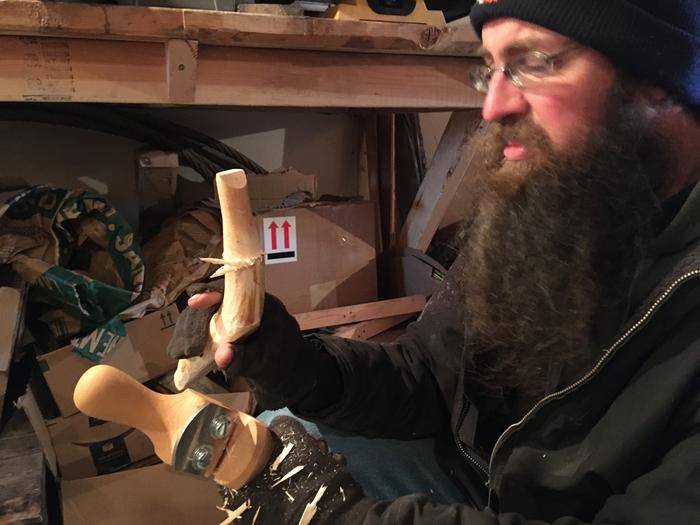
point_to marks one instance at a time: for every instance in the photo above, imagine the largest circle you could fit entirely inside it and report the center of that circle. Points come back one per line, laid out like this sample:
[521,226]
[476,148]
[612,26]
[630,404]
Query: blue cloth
[386,468]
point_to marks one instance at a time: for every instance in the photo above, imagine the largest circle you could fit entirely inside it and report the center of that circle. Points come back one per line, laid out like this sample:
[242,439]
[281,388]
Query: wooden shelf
[141,55]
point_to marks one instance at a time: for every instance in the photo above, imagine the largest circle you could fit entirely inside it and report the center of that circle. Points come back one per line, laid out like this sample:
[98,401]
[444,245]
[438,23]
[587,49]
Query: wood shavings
[234,514]
[230,265]
[255,518]
[342,493]
[291,498]
[279,459]
[311,508]
[288,475]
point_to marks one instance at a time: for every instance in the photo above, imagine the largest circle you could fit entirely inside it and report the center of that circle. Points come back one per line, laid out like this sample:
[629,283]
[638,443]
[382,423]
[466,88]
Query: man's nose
[503,100]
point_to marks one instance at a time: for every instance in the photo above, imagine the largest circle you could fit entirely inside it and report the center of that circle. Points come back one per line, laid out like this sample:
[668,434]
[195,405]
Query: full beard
[553,247]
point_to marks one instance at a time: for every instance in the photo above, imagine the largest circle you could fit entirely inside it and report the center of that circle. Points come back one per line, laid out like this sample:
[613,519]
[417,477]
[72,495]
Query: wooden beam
[387,178]
[368,329]
[332,79]
[80,70]
[181,70]
[138,23]
[36,18]
[369,129]
[65,70]
[360,312]
[450,165]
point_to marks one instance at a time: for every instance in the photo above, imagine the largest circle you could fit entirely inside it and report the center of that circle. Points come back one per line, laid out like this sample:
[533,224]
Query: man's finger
[224,355]
[205,299]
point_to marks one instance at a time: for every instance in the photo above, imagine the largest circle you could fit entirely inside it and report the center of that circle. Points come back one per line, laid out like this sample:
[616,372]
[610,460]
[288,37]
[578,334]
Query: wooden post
[450,166]
[387,177]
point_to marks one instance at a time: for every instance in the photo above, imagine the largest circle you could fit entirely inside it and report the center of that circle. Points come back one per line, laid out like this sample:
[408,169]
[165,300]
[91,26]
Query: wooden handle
[108,393]
[244,292]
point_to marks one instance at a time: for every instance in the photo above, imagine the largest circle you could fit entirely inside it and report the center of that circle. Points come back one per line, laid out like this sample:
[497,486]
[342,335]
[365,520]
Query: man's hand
[192,329]
[310,469]
[206,300]
[281,365]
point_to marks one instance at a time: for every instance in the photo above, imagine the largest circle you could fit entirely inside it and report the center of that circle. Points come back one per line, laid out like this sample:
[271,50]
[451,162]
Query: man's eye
[533,64]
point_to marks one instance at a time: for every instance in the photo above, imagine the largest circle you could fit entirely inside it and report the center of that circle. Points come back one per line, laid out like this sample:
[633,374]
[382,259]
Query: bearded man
[562,354]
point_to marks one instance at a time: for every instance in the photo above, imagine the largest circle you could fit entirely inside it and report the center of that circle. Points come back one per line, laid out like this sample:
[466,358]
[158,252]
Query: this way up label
[280,239]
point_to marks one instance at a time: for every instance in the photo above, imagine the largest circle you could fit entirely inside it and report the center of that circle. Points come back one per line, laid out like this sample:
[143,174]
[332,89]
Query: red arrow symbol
[286,226]
[273,233]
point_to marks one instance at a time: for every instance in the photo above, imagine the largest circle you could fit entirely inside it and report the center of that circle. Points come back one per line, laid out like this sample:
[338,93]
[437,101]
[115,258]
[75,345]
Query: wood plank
[360,312]
[450,165]
[29,17]
[371,143]
[74,70]
[310,79]
[368,329]
[181,68]
[11,304]
[77,20]
[64,70]
[211,27]
[28,403]
[11,326]
[387,179]
[22,474]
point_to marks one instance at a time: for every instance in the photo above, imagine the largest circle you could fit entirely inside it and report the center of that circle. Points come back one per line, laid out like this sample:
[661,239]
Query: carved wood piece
[107,393]
[244,291]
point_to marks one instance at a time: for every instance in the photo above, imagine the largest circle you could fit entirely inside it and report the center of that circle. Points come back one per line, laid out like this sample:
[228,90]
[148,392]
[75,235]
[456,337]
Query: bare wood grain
[332,80]
[181,62]
[368,329]
[73,70]
[450,165]
[360,312]
[107,393]
[22,474]
[78,70]
[71,20]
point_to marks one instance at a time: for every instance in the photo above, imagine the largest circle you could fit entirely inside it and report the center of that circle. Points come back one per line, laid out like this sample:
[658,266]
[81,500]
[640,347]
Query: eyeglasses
[523,70]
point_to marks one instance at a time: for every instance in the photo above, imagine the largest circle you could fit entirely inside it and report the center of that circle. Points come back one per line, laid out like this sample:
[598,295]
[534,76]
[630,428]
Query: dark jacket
[621,445]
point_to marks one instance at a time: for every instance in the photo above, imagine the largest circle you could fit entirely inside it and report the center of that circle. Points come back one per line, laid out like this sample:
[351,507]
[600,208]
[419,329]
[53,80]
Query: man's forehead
[504,37]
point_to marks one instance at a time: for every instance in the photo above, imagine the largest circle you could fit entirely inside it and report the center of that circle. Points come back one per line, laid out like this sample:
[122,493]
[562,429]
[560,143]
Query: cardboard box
[144,496]
[269,190]
[141,354]
[320,255]
[80,446]
[86,447]
[11,313]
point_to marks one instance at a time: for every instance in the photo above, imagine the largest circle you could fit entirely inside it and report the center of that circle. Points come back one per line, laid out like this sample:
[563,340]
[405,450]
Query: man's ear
[658,98]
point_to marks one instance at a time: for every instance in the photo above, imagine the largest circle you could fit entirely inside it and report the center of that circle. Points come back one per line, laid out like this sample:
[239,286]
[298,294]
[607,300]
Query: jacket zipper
[477,462]
[606,354]
[482,468]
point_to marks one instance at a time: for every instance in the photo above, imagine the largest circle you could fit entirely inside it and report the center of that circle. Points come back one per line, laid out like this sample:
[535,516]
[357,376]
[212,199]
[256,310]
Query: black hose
[196,150]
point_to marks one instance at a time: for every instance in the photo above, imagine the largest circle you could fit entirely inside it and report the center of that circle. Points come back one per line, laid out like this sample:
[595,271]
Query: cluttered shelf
[62,52]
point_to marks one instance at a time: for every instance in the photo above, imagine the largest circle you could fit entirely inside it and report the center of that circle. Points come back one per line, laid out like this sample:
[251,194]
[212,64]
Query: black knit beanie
[657,41]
